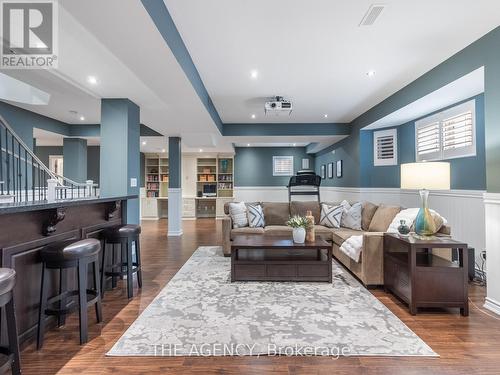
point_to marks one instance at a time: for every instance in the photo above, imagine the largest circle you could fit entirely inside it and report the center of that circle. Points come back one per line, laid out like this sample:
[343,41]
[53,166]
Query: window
[385,147]
[448,134]
[282,165]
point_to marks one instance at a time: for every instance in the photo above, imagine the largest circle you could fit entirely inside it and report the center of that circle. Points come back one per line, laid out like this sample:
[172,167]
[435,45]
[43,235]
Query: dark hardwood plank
[466,344]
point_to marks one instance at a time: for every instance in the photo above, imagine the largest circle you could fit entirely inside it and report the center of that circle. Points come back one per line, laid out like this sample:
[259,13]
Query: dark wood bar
[28,226]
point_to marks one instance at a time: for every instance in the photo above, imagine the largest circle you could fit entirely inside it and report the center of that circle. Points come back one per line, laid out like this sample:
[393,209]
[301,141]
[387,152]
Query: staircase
[23,177]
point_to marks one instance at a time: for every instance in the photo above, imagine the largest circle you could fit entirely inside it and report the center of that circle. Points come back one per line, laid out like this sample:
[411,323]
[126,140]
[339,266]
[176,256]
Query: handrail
[31,153]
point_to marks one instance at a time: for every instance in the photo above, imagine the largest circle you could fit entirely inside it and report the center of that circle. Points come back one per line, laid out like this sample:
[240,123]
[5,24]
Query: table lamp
[425,176]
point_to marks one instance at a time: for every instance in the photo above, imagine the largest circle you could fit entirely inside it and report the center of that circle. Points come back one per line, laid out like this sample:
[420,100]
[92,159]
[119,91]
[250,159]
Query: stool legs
[82,301]
[43,307]
[98,307]
[63,287]
[10,313]
[138,261]
[130,285]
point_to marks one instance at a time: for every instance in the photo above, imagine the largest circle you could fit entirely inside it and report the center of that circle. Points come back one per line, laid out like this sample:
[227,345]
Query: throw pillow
[369,210]
[331,215]
[351,218]
[383,218]
[238,212]
[347,206]
[255,216]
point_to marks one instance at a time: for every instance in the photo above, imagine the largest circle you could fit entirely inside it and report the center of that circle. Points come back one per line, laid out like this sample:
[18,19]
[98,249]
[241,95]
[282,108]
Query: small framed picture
[339,168]
[330,170]
[323,171]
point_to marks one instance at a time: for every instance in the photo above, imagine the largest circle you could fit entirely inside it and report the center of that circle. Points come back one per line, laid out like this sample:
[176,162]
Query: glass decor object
[425,176]
[403,229]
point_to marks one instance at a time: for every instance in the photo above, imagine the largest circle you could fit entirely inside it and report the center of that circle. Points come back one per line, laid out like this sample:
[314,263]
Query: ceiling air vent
[372,14]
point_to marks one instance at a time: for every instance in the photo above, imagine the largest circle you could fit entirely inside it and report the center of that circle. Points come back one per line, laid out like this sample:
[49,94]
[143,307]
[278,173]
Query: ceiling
[316,54]
[312,52]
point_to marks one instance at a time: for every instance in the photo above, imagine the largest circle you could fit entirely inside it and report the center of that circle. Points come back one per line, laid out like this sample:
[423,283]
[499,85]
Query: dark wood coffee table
[261,258]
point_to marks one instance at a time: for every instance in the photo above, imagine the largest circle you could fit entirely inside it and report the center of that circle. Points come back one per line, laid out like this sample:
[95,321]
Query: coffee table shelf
[260,258]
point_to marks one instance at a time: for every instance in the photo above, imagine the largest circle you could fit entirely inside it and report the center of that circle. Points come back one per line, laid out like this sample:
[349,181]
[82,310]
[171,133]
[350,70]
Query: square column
[174,187]
[75,159]
[120,153]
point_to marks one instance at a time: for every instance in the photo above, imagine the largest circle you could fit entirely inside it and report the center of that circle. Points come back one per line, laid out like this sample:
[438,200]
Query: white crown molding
[492,305]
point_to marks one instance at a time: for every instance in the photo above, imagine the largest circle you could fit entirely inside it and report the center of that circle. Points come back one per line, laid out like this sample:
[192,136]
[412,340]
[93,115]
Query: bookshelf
[225,177]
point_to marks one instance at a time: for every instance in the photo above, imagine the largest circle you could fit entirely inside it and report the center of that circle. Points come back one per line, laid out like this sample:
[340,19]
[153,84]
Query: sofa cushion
[342,234]
[351,216]
[383,218]
[331,215]
[255,216]
[369,210]
[238,212]
[246,230]
[323,232]
[301,208]
[277,230]
[276,213]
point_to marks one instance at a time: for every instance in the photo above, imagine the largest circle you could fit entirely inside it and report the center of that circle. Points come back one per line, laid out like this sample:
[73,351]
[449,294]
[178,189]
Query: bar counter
[26,227]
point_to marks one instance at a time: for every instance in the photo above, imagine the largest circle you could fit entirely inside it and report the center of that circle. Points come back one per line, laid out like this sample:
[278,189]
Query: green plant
[298,222]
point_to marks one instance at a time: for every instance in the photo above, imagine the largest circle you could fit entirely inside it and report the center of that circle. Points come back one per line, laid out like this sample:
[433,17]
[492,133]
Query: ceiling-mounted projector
[278,106]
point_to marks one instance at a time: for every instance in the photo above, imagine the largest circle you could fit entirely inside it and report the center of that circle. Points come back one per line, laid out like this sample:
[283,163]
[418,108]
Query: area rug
[201,313]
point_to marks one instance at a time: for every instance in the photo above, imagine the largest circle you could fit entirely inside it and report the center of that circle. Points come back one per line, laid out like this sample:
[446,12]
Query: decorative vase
[403,229]
[310,232]
[424,223]
[299,235]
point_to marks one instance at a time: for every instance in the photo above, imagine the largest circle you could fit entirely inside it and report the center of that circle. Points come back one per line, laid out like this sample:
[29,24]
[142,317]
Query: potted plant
[299,225]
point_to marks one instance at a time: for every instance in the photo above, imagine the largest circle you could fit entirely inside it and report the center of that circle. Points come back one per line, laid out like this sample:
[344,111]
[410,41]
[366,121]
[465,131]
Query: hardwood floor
[466,344]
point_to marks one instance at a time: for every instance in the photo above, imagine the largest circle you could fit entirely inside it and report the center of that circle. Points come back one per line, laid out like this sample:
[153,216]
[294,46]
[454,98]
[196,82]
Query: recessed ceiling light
[295,144]
[326,116]
[248,144]
[370,73]
[82,118]
[254,74]
[162,150]
[92,80]
[144,143]
[201,150]
[253,116]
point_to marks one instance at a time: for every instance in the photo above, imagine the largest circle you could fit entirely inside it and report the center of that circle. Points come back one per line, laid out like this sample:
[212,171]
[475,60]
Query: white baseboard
[492,305]
[174,233]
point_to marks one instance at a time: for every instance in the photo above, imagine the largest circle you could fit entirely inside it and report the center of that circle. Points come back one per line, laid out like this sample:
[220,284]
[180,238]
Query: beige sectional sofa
[374,222]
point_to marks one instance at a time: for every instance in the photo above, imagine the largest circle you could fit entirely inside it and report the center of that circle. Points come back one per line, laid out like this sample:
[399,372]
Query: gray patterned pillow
[255,216]
[330,215]
[351,217]
[238,212]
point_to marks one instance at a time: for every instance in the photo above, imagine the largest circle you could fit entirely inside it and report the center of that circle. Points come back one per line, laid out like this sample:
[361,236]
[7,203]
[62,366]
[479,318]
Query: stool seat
[122,231]
[7,280]
[70,250]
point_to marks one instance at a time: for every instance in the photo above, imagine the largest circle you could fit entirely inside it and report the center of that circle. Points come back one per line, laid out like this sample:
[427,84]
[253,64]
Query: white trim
[243,188]
[492,305]
[479,194]
[174,190]
[491,198]
[174,233]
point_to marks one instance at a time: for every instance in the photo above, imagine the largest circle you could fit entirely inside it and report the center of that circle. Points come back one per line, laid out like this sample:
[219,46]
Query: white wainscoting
[464,209]
[492,214]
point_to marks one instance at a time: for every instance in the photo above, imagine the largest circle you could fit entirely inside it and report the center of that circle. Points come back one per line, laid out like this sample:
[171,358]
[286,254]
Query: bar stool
[123,235]
[65,255]
[7,283]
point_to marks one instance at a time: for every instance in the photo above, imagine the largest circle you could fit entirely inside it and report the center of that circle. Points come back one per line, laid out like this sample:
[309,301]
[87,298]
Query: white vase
[299,235]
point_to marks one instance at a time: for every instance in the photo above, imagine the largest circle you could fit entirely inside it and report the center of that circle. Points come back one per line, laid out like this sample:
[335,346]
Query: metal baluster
[19,172]
[33,176]
[13,165]
[7,158]
[26,174]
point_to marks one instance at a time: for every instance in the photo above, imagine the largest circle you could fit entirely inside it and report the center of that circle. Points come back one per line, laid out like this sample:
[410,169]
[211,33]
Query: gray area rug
[201,313]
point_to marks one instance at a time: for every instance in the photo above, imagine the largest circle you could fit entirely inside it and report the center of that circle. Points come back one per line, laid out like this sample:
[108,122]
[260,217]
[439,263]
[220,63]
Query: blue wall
[253,166]
[466,173]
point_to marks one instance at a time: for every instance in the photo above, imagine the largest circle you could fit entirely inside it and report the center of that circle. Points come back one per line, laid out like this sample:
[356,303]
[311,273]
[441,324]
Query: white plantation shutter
[428,141]
[385,151]
[458,135]
[448,134]
[282,165]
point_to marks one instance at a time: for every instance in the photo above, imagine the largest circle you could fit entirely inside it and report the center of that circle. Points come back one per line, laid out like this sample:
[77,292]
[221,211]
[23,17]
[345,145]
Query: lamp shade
[427,175]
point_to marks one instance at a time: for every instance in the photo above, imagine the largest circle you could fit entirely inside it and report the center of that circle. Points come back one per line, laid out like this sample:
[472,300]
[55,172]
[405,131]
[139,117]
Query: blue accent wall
[467,173]
[253,166]
[75,159]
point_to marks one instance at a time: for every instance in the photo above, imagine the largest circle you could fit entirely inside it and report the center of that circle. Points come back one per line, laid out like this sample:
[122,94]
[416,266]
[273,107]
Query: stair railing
[24,177]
